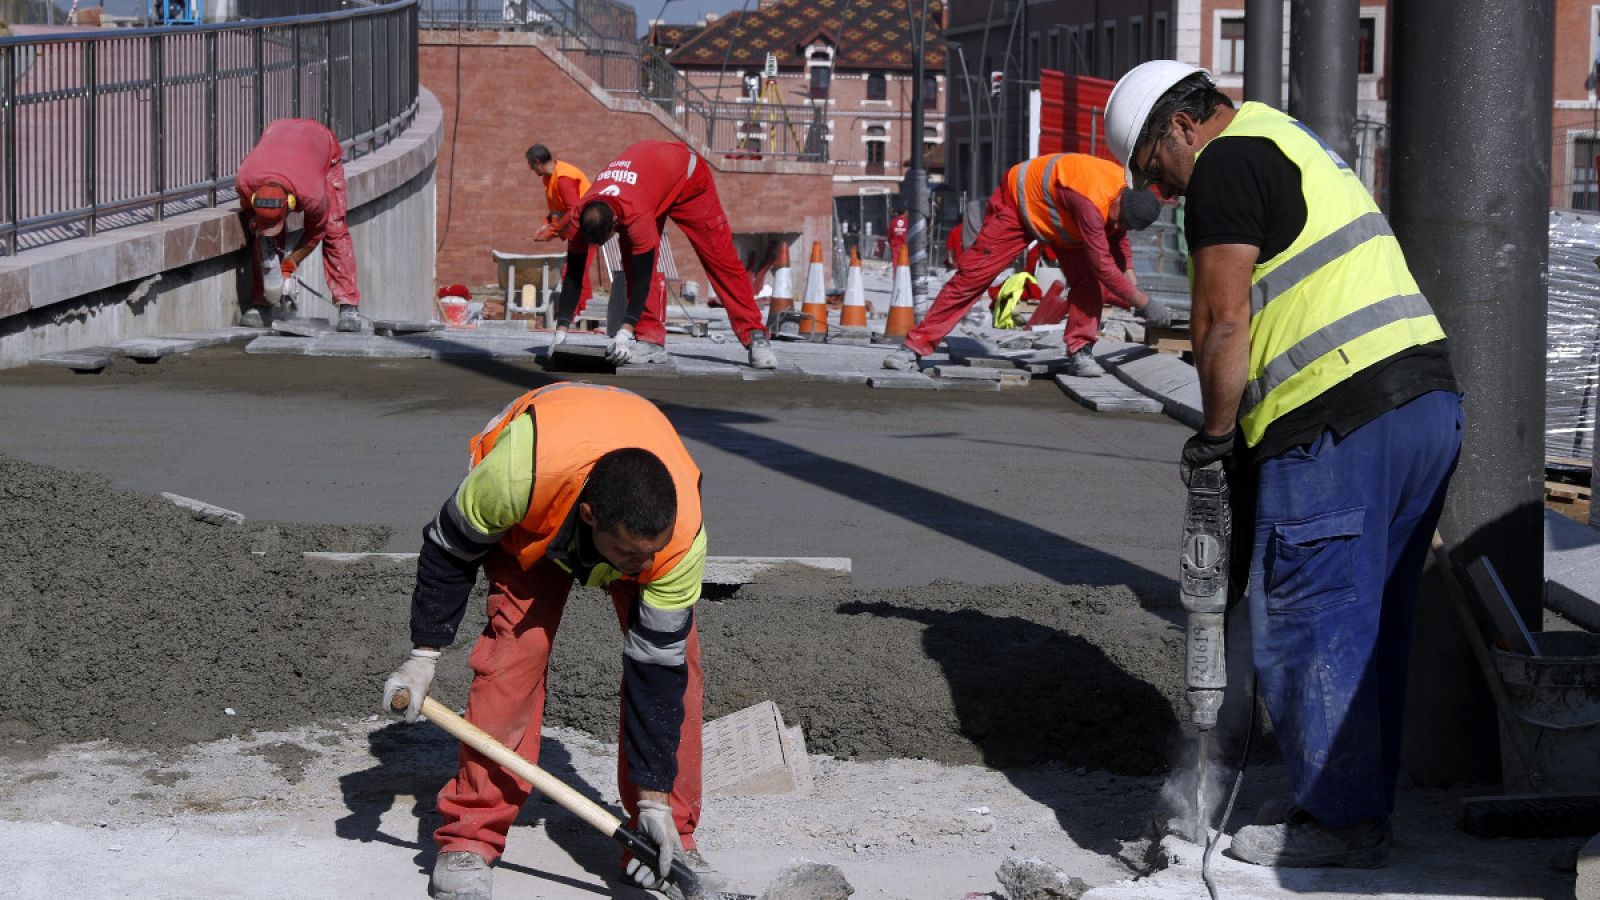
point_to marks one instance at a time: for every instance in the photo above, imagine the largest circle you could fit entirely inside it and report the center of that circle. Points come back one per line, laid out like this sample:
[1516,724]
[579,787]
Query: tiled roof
[865,34]
[671,37]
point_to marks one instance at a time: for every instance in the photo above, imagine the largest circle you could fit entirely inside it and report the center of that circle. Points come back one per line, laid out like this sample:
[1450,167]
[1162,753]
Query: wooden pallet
[1174,340]
[1560,492]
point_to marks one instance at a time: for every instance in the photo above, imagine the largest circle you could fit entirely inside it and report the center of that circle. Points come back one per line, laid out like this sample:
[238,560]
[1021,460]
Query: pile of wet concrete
[126,618]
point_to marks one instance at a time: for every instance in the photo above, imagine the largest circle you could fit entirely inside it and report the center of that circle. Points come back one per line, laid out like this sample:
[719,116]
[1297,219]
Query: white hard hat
[1133,98]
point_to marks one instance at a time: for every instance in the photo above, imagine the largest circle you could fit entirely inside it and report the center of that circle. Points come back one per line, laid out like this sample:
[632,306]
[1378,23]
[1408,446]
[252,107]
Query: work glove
[655,823]
[415,675]
[1202,450]
[1157,314]
[288,266]
[620,348]
[557,338]
[545,232]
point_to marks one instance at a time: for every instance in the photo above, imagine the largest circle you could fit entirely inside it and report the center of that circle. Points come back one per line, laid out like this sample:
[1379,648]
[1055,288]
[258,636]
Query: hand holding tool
[411,680]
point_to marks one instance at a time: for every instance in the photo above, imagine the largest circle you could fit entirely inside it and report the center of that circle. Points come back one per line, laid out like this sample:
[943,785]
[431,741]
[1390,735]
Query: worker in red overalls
[564,183]
[899,227]
[296,167]
[1081,207]
[570,484]
[649,183]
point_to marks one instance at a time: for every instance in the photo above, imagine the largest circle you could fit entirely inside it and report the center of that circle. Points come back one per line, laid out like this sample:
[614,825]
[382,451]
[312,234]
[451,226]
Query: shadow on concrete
[413,762]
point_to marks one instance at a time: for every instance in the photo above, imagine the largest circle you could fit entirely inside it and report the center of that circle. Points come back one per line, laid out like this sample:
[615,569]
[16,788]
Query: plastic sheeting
[1572,360]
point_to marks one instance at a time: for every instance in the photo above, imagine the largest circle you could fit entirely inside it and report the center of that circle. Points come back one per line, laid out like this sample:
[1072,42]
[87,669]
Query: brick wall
[516,95]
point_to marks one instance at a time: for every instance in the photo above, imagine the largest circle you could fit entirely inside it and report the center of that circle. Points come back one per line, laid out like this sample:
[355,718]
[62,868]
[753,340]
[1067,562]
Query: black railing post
[158,123]
[91,100]
[10,58]
[295,91]
[259,88]
[212,138]
[327,74]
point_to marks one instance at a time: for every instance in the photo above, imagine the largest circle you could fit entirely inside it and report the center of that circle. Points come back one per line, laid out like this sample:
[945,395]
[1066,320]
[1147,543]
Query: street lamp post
[914,189]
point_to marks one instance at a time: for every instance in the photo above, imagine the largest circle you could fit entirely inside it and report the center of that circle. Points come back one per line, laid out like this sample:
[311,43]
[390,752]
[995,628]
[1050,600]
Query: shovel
[683,880]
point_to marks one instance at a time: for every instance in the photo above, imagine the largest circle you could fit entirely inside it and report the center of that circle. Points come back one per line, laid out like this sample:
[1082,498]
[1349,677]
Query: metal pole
[1323,45]
[914,190]
[158,123]
[1263,51]
[258,92]
[1469,203]
[10,57]
[296,76]
[212,138]
[91,97]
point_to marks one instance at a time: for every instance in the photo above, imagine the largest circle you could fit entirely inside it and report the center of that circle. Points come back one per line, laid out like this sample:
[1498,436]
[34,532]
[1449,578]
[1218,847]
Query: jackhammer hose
[1233,795]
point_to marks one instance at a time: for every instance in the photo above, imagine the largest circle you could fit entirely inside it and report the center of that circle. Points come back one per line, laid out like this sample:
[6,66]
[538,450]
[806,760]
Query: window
[875,150]
[1053,59]
[877,87]
[1230,47]
[1033,63]
[820,78]
[1108,62]
[930,92]
[1585,190]
[1135,42]
[1158,38]
[1366,46]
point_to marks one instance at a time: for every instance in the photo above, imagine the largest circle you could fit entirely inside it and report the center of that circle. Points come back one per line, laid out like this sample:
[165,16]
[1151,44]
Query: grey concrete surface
[914,485]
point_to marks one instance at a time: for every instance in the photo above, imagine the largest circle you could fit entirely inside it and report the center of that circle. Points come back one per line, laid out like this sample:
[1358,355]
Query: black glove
[1202,450]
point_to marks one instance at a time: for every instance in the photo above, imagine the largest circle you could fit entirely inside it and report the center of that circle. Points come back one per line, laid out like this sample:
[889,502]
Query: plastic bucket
[1555,703]
[456,310]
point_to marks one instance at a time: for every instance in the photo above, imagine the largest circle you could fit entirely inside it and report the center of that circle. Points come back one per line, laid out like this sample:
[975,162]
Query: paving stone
[205,512]
[85,359]
[152,349]
[216,337]
[335,344]
[904,381]
[404,326]
[752,751]
[966,373]
[965,384]
[290,346]
[301,327]
[1014,378]
[1105,394]
[844,337]
[1572,569]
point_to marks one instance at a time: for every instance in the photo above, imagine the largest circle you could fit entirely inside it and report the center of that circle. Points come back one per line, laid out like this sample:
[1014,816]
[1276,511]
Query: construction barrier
[815,305]
[902,313]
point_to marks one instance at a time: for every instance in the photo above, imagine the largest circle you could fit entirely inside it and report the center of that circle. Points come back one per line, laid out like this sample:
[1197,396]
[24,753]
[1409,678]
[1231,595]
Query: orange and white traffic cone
[853,315]
[902,314]
[782,292]
[814,326]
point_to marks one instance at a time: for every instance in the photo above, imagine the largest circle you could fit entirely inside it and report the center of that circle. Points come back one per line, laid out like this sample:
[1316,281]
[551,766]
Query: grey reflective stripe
[1328,338]
[638,649]
[1044,188]
[693,160]
[1321,252]
[666,621]
[473,544]
[1022,199]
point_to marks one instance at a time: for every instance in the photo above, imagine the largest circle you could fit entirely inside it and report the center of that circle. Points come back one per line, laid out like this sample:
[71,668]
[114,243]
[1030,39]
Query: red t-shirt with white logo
[639,186]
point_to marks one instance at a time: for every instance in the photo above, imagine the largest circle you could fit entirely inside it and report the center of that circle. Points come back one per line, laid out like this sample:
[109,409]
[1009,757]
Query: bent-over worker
[570,483]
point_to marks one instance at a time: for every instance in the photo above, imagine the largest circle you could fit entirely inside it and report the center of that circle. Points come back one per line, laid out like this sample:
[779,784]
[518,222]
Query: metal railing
[628,67]
[106,130]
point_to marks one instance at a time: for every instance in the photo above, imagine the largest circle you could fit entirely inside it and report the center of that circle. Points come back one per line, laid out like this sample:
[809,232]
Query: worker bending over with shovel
[296,167]
[1327,389]
[564,183]
[1076,204]
[570,483]
[649,183]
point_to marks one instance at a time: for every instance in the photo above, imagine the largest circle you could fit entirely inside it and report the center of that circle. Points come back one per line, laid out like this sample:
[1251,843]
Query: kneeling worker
[1080,206]
[296,167]
[649,183]
[571,482]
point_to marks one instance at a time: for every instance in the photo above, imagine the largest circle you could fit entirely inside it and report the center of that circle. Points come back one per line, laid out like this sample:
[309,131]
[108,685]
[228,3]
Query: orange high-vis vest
[552,196]
[574,425]
[1034,184]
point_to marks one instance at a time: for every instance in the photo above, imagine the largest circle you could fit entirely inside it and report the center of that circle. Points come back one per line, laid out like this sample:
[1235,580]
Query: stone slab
[1158,375]
[85,359]
[301,327]
[752,751]
[203,511]
[965,384]
[819,570]
[966,373]
[1572,569]
[217,337]
[153,349]
[404,326]
[289,346]
[1105,394]
[904,381]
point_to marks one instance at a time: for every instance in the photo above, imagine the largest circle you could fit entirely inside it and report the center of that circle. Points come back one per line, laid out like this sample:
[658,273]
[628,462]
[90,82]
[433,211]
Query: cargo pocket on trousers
[1311,564]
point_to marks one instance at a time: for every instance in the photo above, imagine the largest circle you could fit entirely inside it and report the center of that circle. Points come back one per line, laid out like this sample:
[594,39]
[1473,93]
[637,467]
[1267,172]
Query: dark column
[1469,201]
[1263,51]
[1324,40]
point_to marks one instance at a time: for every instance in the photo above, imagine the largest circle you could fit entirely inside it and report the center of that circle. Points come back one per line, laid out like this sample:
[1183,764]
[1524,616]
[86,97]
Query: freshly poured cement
[128,619]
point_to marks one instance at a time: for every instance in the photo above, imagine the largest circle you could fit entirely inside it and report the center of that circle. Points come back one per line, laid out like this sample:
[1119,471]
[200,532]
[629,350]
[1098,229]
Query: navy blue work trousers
[1341,531]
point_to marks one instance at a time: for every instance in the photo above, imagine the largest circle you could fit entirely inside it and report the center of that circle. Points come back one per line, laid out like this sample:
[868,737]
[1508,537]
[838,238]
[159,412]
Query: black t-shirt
[1243,190]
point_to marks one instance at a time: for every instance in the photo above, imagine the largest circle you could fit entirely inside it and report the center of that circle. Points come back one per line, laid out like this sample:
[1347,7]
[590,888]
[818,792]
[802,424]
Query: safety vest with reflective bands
[552,195]
[1337,300]
[1035,185]
[575,425]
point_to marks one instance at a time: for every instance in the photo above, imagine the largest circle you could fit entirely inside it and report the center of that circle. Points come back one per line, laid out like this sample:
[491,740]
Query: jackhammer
[1203,583]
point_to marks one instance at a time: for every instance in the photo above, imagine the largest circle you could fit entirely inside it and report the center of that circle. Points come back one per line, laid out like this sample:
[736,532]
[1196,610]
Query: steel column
[10,59]
[158,125]
[1324,42]
[1263,51]
[91,97]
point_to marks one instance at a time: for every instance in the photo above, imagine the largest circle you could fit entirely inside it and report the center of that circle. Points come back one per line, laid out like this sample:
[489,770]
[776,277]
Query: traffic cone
[854,313]
[782,292]
[902,314]
[815,306]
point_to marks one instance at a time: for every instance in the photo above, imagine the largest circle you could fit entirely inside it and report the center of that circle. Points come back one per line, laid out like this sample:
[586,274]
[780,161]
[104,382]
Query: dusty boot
[645,352]
[761,355]
[1302,843]
[461,875]
[1081,362]
[1275,811]
[252,318]
[349,318]
[710,878]
[901,360]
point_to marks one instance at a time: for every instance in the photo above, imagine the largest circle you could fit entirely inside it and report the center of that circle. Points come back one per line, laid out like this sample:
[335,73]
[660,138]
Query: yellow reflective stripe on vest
[1285,277]
[1329,338]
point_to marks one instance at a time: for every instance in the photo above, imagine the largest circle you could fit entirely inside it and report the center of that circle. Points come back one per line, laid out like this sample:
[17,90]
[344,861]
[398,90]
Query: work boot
[1302,843]
[761,355]
[645,353]
[902,360]
[1275,811]
[349,318]
[461,875]
[1081,362]
[252,318]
